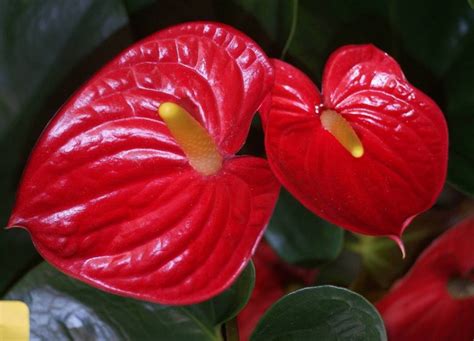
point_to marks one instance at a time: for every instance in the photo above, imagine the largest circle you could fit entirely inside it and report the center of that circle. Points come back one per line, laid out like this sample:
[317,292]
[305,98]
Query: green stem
[294,20]
[232,330]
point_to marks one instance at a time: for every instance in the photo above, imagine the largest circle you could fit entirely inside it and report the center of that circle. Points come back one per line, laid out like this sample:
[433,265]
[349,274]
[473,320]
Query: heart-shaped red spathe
[403,133]
[110,198]
[420,306]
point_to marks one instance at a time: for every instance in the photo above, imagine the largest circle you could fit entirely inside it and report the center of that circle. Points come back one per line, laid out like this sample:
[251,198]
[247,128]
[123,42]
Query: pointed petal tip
[11,226]
[13,222]
[400,244]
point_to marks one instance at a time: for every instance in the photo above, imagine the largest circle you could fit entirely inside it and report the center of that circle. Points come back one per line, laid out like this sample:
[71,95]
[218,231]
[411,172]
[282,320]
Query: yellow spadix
[343,132]
[193,139]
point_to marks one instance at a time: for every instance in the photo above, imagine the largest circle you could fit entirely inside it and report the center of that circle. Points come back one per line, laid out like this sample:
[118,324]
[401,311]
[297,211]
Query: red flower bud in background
[134,187]
[274,279]
[369,154]
[435,300]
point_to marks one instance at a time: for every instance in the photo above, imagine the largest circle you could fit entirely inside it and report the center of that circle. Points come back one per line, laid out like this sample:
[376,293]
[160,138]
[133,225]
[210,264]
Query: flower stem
[232,330]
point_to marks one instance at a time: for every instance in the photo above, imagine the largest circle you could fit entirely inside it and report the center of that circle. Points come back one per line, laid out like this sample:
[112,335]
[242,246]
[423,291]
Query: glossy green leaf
[228,304]
[299,236]
[321,313]
[62,308]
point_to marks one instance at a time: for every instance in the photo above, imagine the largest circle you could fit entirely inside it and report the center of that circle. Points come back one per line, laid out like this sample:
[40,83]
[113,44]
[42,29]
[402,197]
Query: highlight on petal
[213,58]
[435,299]
[112,198]
[402,134]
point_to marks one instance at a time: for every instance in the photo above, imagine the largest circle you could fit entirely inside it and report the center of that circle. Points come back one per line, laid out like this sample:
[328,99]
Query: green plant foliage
[62,308]
[433,33]
[321,313]
[460,113]
[227,305]
[382,258]
[299,236]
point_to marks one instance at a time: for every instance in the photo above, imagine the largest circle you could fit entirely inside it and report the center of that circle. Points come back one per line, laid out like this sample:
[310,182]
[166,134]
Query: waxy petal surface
[110,198]
[221,78]
[419,306]
[403,133]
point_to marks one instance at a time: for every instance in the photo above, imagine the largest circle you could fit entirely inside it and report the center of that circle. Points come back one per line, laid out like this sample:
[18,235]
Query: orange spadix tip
[194,140]
[338,126]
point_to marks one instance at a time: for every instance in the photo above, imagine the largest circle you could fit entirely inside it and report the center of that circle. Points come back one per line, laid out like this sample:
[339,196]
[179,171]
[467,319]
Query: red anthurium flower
[274,279]
[369,154]
[134,187]
[435,300]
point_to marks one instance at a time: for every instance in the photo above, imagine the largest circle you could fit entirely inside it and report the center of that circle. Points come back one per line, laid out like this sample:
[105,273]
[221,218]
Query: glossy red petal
[347,62]
[294,96]
[213,58]
[110,198]
[419,306]
[403,132]
[274,279]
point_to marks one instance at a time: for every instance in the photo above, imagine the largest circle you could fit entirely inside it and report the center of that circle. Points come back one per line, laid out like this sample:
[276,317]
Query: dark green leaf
[299,236]
[228,304]
[471,3]
[461,168]
[324,26]
[459,89]
[62,308]
[433,32]
[321,313]
[17,255]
